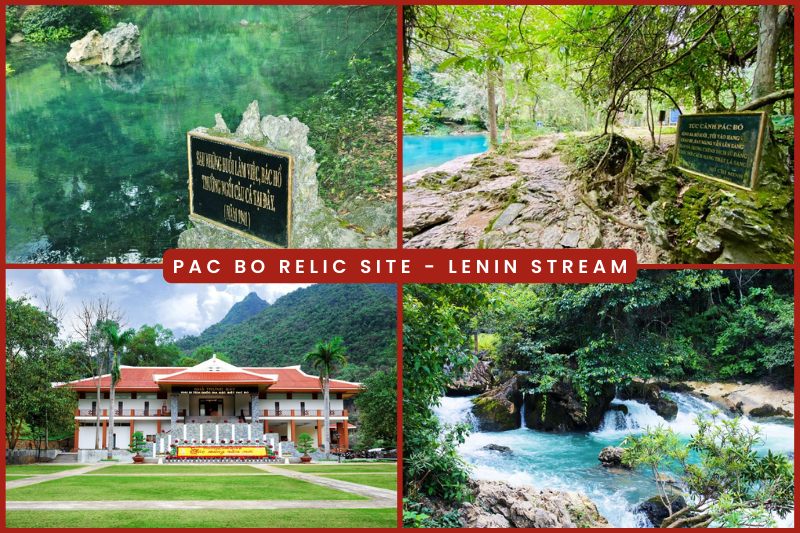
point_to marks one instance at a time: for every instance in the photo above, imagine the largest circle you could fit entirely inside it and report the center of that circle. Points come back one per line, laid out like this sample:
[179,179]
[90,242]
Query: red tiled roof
[216,377]
[143,379]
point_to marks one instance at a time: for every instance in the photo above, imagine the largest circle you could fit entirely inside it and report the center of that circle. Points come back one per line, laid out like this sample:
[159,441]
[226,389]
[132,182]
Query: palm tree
[117,341]
[325,357]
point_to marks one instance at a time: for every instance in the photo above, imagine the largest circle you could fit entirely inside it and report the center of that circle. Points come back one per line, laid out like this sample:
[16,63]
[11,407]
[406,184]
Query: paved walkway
[390,496]
[56,475]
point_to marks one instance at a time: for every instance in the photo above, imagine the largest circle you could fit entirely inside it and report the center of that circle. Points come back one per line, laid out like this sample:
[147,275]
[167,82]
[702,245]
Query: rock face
[656,511]
[611,457]
[476,381]
[744,398]
[498,504]
[314,225]
[651,394]
[499,409]
[118,46]
[562,410]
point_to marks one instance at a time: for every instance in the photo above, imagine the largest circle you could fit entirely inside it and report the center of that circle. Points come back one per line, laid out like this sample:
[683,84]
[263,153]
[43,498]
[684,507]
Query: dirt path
[525,200]
[41,478]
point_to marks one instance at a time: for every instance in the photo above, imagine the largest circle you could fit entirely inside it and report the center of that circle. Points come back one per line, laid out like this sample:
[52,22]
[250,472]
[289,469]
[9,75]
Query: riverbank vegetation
[553,357]
[529,75]
[38,24]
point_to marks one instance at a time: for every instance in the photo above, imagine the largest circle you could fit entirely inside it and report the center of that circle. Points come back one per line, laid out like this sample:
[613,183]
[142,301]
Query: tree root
[603,214]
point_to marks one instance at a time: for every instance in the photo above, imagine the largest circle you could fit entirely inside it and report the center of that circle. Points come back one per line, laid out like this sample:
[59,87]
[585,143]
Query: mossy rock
[495,414]
[433,181]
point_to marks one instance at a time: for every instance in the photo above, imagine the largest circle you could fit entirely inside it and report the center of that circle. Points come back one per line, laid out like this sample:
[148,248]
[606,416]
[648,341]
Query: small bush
[55,23]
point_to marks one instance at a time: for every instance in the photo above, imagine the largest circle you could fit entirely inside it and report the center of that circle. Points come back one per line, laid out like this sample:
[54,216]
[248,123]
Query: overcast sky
[142,295]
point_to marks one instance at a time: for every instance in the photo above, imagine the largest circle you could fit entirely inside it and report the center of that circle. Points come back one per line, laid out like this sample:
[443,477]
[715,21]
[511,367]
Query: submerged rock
[768,410]
[498,409]
[561,409]
[497,448]
[498,504]
[656,511]
[118,46]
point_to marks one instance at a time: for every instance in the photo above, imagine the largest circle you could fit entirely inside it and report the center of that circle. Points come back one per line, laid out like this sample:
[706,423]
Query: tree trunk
[110,434]
[492,104]
[326,404]
[766,56]
[507,136]
[97,430]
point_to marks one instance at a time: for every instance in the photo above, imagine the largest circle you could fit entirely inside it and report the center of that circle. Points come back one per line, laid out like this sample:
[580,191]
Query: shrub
[51,23]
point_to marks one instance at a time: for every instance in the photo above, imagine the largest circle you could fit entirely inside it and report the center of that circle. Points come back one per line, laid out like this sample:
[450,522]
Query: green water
[96,161]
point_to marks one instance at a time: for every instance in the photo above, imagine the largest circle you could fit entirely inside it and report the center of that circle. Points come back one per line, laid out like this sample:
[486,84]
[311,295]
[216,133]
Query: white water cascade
[568,461]
[522,413]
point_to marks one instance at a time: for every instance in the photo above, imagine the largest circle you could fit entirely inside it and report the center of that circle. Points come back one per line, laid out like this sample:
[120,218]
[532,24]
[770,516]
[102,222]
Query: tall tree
[116,342]
[324,359]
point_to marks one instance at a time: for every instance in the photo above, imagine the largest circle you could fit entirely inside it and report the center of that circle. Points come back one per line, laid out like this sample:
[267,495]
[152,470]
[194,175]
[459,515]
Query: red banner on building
[399,266]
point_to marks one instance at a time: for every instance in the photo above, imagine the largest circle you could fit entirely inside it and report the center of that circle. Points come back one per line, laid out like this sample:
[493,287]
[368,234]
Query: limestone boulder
[499,504]
[499,408]
[476,381]
[611,457]
[562,409]
[120,45]
[656,511]
[88,50]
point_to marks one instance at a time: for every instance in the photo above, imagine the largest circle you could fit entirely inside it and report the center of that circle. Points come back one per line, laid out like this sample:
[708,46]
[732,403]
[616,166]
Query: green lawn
[284,518]
[352,467]
[177,469]
[121,487]
[40,469]
[382,481]
[14,477]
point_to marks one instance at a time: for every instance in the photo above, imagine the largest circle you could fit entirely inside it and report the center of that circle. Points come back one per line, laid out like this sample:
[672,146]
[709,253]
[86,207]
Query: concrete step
[67,457]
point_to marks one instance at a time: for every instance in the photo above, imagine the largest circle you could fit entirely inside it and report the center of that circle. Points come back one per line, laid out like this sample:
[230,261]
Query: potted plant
[305,446]
[137,446]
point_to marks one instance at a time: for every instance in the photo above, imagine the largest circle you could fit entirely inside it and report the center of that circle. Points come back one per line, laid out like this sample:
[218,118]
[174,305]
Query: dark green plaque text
[724,146]
[240,187]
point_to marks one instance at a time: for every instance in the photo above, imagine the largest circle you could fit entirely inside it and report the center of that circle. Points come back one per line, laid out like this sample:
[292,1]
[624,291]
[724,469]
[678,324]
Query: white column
[289,432]
[233,431]
[216,433]
[201,432]
[184,431]
[161,445]
[280,449]
[249,432]
[154,450]
[169,440]
[272,443]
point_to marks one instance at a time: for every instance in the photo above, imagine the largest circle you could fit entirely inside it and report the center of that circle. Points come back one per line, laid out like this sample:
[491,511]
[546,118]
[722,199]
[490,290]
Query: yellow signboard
[222,451]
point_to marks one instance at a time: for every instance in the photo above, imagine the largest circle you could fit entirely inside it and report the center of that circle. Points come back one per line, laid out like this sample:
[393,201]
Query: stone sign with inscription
[725,147]
[243,188]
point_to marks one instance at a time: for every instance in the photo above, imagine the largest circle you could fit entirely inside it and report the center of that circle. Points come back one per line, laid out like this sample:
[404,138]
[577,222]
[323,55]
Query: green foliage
[668,325]
[305,444]
[363,315]
[353,129]
[758,338]
[438,320]
[377,410]
[151,346]
[56,23]
[416,514]
[138,444]
[726,482]
[35,358]
[12,21]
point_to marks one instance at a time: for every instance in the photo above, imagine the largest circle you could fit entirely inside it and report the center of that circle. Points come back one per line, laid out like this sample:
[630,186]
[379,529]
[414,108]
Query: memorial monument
[257,187]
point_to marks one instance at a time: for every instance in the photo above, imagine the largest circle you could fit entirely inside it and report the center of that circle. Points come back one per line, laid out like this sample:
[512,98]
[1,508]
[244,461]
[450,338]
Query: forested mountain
[281,334]
[250,306]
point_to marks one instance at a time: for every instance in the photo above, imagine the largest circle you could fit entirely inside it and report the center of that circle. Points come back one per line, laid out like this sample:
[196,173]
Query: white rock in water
[121,45]
[17,38]
[86,50]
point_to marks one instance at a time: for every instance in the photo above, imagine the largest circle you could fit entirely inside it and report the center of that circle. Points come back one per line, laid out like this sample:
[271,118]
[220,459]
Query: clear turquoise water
[568,461]
[96,164]
[424,151]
